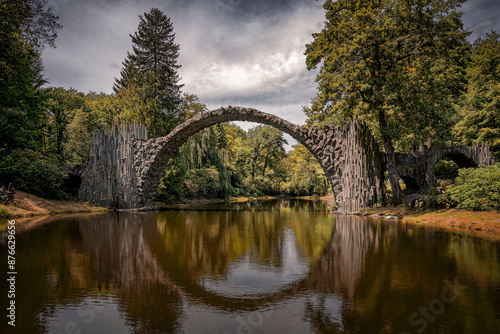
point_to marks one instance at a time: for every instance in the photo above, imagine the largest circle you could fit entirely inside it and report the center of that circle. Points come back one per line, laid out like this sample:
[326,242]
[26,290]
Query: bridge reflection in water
[277,266]
[231,261]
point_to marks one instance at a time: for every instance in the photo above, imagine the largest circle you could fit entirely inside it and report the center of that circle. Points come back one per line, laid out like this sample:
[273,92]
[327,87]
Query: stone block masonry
[124,168]
[110,177]
[416,168]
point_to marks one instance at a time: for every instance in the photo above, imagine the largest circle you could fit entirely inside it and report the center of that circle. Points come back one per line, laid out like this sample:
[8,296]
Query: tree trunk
[390,159]
[393,174]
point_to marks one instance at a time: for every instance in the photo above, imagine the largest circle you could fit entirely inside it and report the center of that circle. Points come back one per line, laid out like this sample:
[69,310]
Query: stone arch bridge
[125,168]
[416,168]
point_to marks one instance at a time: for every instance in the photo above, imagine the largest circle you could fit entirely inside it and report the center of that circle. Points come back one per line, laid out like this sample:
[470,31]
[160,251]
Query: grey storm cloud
[248,53]
[239,52]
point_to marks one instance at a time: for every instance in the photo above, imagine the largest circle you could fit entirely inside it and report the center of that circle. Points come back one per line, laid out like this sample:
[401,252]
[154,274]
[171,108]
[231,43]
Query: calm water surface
[283,266]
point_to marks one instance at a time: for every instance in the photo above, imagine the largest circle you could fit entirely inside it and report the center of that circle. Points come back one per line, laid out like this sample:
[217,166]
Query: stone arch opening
[461,159]
[447,166]
[449,159]
[157,159]
[411,185]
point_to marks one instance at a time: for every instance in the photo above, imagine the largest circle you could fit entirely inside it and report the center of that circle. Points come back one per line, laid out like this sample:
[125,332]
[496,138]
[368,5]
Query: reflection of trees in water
[274,204]
[363,277]
[52,268]
[201,243]
[122,260]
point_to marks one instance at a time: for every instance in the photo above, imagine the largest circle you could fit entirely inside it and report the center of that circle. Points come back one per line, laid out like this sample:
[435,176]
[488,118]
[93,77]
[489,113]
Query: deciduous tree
[394,63]
[479,109]
[25,27]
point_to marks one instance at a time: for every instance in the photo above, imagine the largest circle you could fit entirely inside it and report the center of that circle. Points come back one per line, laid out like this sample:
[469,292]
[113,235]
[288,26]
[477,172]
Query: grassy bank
[27,205]
[476,221]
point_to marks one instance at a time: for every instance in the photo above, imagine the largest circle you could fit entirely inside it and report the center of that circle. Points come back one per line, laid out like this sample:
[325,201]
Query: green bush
[32,172]
[202,182]
[476,189]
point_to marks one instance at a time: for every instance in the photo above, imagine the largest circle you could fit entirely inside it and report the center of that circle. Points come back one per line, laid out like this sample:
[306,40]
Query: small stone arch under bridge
[416,168]
[124,168]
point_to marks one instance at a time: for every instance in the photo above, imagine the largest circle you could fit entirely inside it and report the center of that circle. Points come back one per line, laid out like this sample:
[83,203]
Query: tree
[395,63]
[77,148]
[259,158]
[480,105]
[150,72]
[25,27]
[102,109]
[61,105]
[305,176]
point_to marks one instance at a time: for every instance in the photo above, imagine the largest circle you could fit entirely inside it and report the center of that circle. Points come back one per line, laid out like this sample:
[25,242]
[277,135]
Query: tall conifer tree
[151,71]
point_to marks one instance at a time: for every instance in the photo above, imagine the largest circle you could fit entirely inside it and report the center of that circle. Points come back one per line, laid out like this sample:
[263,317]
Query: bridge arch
[166,147]
[125,169]
[418,167]
[463,156]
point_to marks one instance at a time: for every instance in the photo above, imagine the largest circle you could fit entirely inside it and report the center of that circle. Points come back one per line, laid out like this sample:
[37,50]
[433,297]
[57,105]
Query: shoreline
[484,223]
[478,223]
[26,205]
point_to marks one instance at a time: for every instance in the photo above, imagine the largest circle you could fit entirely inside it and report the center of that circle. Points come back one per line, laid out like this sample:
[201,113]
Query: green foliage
[149,76]
[479,108]
[394,59]
[394,63]
[202,182]
[171,188]
[201,167]
[4,212]
[77,148]
[200,157]
[25,27]
[32,172]
[102,110]
[61,105]
[446,168]
[304,174]
[476,189]
[263,147]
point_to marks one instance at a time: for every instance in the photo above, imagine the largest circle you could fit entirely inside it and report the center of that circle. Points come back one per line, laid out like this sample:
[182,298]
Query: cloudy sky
[232,52]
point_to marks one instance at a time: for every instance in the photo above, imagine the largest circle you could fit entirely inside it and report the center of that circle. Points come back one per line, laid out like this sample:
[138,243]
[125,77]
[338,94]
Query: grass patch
[4,212]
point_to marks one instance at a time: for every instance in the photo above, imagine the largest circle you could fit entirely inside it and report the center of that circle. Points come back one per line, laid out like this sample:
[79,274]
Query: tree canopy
[25,27]
[149,73]
[396,64]
[479,108]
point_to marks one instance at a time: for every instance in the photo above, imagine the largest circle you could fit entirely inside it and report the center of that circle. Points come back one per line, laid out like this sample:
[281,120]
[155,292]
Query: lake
[276,266]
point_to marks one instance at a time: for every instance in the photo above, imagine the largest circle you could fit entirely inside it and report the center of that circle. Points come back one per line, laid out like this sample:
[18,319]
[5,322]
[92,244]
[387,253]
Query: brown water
[283,266]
